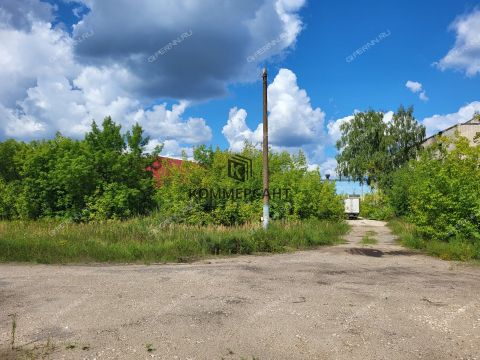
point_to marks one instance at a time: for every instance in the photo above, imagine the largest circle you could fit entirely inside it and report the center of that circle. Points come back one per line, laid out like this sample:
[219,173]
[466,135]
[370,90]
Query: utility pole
[266,196]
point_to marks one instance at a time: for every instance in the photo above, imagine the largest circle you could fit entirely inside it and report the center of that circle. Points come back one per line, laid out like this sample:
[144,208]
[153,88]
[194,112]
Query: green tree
[363,147]
[103,176]
[405,135]
[203,155]
[56,175]
[404,138]
[370,149]
[8,168]
[123,186]
[9,178]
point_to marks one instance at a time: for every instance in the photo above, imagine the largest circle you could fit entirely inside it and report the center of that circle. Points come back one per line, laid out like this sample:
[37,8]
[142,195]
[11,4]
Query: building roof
[160,167]
[474,121]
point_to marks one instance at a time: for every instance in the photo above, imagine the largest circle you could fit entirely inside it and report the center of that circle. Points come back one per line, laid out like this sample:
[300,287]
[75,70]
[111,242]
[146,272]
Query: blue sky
[65,63]
[419,37]
[335,29]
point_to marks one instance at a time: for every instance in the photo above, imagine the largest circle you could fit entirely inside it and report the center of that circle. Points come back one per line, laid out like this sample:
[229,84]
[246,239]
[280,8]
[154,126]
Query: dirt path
[346,302]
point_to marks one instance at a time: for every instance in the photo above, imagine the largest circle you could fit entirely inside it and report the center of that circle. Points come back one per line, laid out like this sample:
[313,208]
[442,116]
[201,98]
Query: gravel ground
[344,302]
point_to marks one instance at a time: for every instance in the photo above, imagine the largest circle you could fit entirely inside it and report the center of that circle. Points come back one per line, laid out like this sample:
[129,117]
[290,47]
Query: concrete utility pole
[266,209]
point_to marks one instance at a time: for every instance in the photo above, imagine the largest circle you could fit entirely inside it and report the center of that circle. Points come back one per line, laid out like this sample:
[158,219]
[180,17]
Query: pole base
[266,216]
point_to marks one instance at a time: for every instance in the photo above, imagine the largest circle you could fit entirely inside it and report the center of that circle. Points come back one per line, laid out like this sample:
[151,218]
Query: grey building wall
[468,130]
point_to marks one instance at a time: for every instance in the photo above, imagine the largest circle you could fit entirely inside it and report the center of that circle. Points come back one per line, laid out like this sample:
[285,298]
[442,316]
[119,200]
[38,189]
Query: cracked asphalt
[344,302]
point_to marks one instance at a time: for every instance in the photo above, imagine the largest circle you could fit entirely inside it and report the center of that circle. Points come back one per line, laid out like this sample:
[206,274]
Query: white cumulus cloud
[51,80]
[416,87]
[333,127]
[465,54]
[51,92]
[27,55]
[236,131]
[329,166]
[438,123]
[168,124]
[171,148]
[293,123]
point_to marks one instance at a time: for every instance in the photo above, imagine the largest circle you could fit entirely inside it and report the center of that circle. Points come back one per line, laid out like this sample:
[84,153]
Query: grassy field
[452,250]
[145,240]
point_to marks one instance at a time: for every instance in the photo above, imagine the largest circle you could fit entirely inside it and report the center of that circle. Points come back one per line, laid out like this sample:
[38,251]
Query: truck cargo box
[352,206]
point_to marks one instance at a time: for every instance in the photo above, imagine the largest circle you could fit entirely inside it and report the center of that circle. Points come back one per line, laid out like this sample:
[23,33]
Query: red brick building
[161,166]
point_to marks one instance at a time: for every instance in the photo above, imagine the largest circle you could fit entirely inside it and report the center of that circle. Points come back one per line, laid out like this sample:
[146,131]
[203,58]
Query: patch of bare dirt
[346,302]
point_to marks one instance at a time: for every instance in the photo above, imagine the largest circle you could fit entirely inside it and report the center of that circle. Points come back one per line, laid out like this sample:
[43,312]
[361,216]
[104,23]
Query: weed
[134,241]
[455,249]
[150,347]
[367,240]
[14,329]
[40,351]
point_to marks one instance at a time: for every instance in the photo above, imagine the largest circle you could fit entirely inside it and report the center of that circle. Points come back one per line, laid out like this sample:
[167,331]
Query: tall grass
[147,240]
[456,249]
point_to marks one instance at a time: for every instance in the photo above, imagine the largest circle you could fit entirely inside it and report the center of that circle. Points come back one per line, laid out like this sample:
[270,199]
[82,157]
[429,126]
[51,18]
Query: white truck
[352,206]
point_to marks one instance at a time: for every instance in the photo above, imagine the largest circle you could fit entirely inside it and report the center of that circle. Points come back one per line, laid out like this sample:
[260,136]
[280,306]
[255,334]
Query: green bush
[116,201]
[413,237]
[440,192]
[399,193]
[376,206]
[8,199]
[105,176]
[314,198]
[303,193]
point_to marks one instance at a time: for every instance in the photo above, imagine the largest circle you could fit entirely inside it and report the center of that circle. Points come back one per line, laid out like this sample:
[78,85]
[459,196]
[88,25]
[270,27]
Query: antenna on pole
[266,195]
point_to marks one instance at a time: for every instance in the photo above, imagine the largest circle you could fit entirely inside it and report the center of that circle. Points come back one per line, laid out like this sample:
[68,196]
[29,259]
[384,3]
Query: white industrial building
[467,129]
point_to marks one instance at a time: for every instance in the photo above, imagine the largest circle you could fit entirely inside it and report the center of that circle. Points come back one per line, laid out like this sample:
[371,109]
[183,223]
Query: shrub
[440,193]
[8,199]
[105,176]
[102,176]
[308,196]
[399,193]
[411,236]
[116,201]
[376,206]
